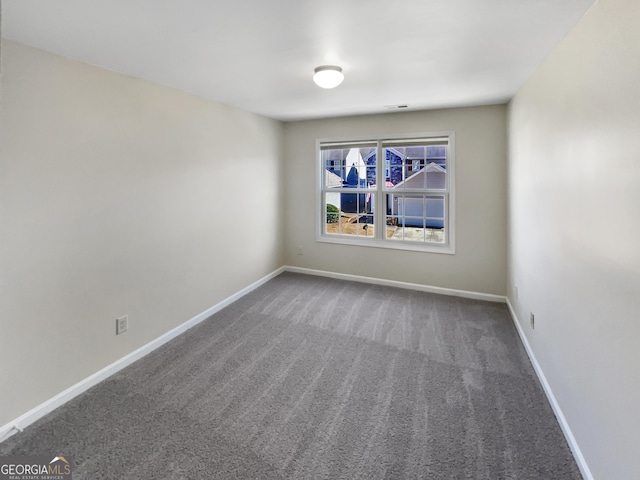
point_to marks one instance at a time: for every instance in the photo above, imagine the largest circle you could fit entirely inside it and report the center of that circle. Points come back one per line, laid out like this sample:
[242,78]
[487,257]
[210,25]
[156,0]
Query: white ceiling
[259,55]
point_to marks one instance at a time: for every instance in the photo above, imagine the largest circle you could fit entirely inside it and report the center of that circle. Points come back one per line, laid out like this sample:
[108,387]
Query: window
[394,192]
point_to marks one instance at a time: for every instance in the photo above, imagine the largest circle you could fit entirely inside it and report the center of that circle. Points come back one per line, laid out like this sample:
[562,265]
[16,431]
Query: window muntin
[391,192]
[350,174]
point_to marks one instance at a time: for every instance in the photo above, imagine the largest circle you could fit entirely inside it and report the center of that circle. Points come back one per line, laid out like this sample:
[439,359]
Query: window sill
[388,245]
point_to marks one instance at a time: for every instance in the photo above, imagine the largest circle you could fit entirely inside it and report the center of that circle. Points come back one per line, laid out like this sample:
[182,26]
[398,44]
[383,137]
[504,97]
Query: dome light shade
[328,76]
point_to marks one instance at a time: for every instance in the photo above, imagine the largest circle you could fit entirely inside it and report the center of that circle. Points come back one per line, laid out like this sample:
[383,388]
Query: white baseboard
[63,397]
[394,283]
[568,434]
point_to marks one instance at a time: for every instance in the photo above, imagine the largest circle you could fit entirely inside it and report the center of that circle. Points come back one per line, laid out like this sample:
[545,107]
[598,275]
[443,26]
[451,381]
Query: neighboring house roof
[353,177]
[414,181]
[331,179]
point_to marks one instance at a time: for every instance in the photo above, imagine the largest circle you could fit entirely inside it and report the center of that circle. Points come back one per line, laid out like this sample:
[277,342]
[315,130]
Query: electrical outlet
[532,320]
[300,251]
[122,324]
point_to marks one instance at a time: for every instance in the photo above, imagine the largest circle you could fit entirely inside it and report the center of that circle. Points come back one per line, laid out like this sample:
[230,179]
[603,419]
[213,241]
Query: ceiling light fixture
[328,76]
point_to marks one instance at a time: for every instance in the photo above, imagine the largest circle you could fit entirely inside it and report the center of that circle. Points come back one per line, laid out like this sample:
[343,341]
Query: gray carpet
[308,377]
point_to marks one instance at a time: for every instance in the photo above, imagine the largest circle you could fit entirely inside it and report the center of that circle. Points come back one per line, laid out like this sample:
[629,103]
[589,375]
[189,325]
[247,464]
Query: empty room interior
[213,267]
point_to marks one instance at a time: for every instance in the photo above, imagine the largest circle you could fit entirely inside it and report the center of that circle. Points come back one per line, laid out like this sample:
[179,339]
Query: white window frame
[380,240]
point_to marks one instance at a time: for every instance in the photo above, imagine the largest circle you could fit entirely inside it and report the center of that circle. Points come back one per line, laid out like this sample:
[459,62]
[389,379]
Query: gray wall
[115,199]
[480,261]
[574,230]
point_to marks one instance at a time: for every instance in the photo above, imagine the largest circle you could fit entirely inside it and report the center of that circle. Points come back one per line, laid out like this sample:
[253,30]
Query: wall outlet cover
[122,324]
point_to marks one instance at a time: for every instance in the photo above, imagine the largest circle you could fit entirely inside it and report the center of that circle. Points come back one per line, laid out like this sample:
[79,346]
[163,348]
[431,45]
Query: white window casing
[391,192]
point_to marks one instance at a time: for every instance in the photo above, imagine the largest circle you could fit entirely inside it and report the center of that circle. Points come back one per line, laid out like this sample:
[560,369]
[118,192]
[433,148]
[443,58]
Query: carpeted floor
[309,377]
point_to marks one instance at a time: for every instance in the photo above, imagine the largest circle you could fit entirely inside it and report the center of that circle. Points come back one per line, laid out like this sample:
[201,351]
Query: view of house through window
[387,191]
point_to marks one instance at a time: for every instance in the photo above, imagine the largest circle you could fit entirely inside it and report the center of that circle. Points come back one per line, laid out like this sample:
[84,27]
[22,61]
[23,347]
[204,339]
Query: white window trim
[450,213]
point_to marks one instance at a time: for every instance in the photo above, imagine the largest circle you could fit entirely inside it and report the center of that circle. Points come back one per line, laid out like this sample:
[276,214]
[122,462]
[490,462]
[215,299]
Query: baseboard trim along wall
[568,434]
[44,408]
[394,283]
[63,397]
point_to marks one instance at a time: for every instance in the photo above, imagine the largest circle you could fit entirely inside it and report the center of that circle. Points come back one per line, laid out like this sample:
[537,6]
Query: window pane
[332,178]
[371,177]
[436,178]
[393,163]
[416,167]
[434,211]
[347,167]
[333,162]
[349,214]
[332,214]
[415,217]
